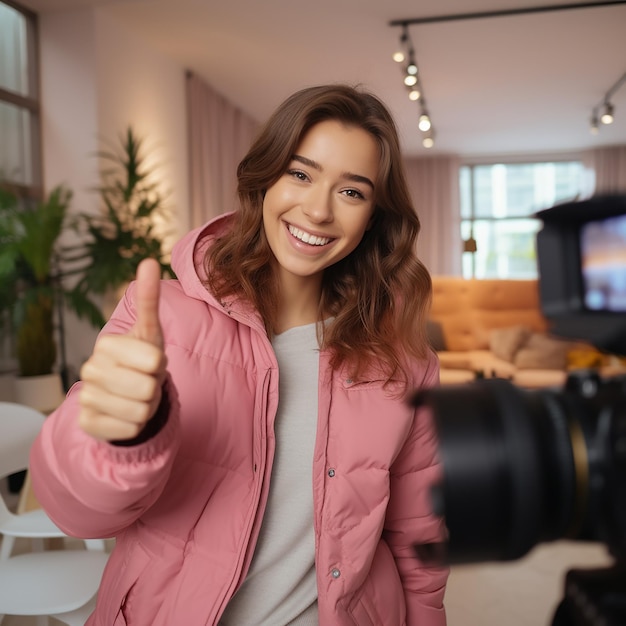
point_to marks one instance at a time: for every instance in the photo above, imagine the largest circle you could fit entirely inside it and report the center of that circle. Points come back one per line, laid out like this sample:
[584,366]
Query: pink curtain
[219,137]
[434,186]
[609,168]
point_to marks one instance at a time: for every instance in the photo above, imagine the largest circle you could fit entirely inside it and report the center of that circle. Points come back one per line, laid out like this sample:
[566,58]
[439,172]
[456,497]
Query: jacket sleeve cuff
[154,425]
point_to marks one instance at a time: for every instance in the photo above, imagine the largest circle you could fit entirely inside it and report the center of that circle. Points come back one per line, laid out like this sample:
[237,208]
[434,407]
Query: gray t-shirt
[280,588]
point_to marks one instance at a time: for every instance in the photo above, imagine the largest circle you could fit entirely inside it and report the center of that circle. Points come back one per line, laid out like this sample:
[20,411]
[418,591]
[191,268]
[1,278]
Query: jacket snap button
[331,472]
[335,573]
[348,381]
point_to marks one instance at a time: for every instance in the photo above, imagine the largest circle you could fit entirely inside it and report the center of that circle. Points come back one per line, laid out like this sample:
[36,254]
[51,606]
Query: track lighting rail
[503,12]
[412,78]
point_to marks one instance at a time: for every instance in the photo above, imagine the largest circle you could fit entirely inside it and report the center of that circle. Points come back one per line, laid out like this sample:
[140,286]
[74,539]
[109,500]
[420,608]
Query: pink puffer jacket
[186,505]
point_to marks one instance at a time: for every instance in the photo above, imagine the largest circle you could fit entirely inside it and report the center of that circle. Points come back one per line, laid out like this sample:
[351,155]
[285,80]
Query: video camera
[522,467]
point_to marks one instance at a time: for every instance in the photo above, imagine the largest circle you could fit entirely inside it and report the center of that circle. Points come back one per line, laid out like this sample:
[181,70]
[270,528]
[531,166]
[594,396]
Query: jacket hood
[188,256]
[188,264]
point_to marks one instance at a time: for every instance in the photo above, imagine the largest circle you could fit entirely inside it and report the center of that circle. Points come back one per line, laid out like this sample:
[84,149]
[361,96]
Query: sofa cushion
[456,377]
[476,361]
[543,352]
[505,342]
[455,360]
[487,363]
[539,378]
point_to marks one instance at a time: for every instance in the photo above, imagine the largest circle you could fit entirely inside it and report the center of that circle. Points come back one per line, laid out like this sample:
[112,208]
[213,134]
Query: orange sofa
[495,328]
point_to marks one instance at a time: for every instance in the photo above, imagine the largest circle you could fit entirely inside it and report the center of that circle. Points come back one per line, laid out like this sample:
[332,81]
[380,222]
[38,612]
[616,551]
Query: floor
[520,593]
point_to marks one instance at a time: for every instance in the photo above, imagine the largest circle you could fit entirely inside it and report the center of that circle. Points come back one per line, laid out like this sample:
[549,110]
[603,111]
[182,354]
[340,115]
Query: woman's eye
[354,193]
[297,174]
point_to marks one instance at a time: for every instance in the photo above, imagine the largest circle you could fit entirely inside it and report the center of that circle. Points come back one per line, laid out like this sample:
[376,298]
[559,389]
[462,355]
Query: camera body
[523,467]
[581,255]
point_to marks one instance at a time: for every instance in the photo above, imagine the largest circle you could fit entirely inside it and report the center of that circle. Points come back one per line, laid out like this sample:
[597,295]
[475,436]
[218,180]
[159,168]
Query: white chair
[57,583]
[19,425]
[54,583]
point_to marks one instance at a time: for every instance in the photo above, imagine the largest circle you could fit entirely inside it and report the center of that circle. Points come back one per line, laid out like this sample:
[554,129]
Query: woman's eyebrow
[357,178]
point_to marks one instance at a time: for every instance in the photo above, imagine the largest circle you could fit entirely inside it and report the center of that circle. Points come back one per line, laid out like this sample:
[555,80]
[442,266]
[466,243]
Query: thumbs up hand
[123,378]
[148,326]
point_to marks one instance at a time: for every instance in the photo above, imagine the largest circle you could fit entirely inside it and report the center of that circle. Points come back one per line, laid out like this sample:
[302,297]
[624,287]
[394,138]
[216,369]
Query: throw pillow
[543,352]
[434,332]
[505,342]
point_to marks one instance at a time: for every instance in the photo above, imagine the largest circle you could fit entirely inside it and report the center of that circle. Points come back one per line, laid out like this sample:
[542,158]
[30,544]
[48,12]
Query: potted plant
[115,240]
[39,278]
[35,288]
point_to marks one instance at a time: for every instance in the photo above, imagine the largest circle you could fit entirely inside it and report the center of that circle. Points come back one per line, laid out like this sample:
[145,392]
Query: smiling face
[316,213]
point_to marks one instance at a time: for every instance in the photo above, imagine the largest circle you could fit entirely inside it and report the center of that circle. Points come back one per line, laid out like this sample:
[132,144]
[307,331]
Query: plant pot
[44,393]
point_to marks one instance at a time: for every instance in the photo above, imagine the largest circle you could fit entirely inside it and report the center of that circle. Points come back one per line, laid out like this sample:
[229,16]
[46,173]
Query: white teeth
[312,240]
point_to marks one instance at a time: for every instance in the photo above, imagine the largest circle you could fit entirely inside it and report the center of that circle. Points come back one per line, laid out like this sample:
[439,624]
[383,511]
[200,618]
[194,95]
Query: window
[497,207]
[20,160]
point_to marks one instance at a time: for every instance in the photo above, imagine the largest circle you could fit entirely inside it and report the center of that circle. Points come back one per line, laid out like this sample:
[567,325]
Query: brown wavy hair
[379,295]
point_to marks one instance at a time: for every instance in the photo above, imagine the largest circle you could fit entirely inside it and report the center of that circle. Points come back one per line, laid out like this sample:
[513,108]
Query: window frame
[30,103]
[470,244]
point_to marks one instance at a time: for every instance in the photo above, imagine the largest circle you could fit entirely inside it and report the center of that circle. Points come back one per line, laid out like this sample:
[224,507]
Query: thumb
[148,326]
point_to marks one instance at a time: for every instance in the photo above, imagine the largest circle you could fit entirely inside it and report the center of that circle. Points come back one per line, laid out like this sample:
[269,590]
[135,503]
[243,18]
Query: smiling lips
[312,240]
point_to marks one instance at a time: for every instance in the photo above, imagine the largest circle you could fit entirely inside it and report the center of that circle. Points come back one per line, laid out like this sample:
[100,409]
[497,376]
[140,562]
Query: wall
[97,78]
[138,86]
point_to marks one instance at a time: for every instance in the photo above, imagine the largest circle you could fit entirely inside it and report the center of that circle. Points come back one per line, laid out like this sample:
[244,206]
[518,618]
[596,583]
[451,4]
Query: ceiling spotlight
[414,94]
[604,109]
[398,56]
[428,138]
[414,84]
[607,116]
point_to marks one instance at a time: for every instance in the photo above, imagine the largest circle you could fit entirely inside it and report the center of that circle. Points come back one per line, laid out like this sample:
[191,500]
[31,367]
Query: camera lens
[515,467]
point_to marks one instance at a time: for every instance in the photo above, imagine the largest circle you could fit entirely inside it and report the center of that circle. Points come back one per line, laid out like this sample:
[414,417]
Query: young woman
[242,431]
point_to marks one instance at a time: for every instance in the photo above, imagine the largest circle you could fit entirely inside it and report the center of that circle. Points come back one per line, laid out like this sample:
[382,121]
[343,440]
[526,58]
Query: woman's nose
[318,206]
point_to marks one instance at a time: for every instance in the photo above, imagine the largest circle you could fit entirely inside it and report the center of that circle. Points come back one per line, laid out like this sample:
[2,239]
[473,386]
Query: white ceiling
[498,85]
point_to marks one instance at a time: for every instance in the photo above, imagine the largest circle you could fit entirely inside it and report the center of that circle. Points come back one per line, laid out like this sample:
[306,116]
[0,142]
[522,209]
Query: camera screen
[603,264]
